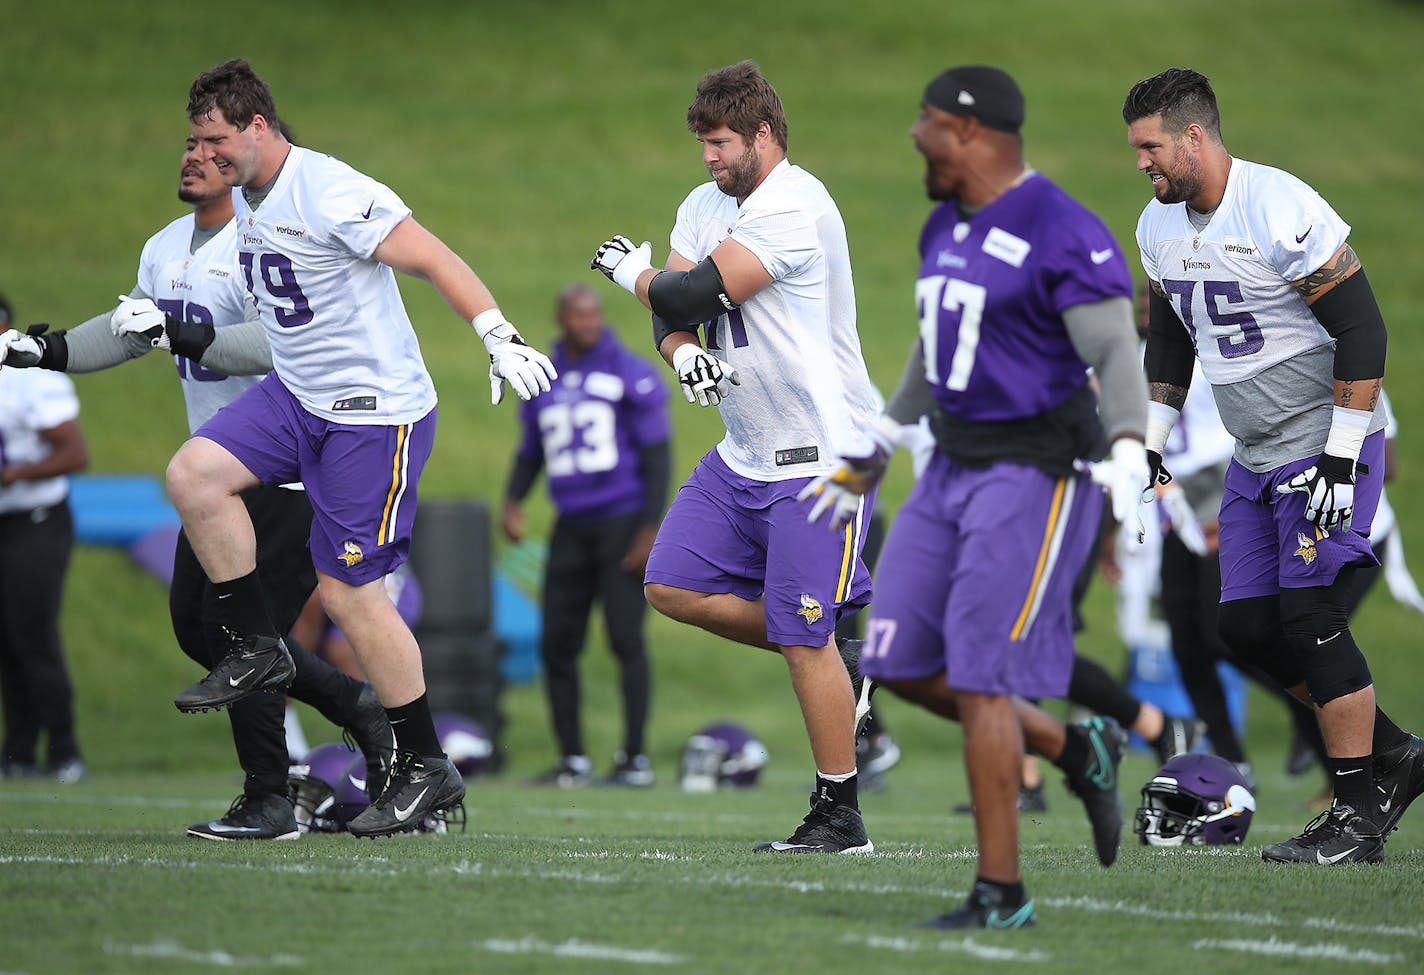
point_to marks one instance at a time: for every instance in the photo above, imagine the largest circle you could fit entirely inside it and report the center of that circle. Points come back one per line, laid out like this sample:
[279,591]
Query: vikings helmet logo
[351,554]
[810,609]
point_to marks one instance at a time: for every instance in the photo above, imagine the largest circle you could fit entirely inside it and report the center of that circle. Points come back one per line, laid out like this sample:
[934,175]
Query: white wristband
[1347,432]
[683,353]
[1160,420]
[487,321]
[626,274]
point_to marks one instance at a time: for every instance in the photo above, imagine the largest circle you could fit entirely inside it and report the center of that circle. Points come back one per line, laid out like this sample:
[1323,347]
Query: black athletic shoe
[1399,780]
[253,663]
[265,817]
[830,827]
[875,755]
[630,771]
[1032,799]
[984,909]
[850,656]
[1096,784]
[1337,835]
[370,731]
[571,772]
[418,787]
[1301,757]
[1179,736]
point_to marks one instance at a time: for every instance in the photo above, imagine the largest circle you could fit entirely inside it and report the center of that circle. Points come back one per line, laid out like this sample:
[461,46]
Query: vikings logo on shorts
[1307,550]
[810,609]
[351,554]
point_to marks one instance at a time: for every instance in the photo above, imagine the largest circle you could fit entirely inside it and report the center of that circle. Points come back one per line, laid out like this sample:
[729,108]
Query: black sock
[1004,895]
[415,728]
[242,606]
[1352,781]
[1387,734]
[1075,749]
[845,793]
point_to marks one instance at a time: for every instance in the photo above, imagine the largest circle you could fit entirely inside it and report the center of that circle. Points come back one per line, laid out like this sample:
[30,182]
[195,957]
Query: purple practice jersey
[991,294]
[590,427]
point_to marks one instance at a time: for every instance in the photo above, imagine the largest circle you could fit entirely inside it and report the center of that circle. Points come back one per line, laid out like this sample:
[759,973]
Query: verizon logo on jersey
[291,231]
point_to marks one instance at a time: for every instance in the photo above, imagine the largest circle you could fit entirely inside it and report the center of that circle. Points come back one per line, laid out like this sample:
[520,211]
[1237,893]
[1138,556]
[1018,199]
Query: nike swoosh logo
[367,214]
[781,847]
[1322,858]
[403,814]
[224,595]
[1301,238]
[217,827]
[234,681]
[1349,771]
[1099,257]
[1320,643]
[1384,806]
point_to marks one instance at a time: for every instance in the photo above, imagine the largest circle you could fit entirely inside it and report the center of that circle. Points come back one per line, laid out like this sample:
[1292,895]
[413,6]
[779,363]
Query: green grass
[524,134]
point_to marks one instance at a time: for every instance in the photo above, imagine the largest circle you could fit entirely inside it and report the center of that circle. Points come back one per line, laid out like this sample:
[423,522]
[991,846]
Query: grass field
[524,134]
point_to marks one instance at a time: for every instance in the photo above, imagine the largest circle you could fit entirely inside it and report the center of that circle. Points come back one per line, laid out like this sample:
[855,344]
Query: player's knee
[1332,662]
[1247,626]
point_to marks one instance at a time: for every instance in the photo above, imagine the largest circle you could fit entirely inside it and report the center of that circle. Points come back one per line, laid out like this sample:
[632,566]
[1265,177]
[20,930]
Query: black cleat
[265,817]
[253,663]
[630,771]
[830,827]
[571,772]
[418,786]
[875,754]
[1179,736]
[1337,835]
[860,688]
[984,909]
[1399,780]
[370,731]
[1031,800]
[1096,784]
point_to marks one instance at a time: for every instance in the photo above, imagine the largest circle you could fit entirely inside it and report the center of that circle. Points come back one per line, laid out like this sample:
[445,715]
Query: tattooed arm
[1340,296]
[1170,352]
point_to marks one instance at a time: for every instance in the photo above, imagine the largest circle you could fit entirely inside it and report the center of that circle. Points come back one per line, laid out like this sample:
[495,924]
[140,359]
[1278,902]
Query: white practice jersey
[198,286]
[31,401]
[1268,358]
[341,339]
[805,397]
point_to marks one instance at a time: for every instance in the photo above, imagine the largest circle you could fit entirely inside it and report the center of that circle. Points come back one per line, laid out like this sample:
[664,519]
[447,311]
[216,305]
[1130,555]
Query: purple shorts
[361,479]
[725,533]
[976,579]
[1266,543]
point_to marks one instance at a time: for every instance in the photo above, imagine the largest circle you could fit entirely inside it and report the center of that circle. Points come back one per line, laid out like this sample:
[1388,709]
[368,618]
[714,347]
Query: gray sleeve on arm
[239,350]
[1103,336]
[93,346]
[912,398]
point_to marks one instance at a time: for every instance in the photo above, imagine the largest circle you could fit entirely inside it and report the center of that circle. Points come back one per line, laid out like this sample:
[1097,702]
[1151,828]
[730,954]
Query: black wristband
[54,348]
[1337,469]
[188,339]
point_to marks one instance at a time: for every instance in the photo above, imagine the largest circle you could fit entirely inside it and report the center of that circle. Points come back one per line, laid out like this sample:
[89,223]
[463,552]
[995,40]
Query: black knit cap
[979,92]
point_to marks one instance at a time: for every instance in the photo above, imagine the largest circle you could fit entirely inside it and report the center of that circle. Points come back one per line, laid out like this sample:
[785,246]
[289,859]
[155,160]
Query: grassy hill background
[524,134]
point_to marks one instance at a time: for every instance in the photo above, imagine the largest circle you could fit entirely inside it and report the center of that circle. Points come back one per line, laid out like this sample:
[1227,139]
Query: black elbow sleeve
[662,328]
[1170,354]
[689,297]
[1351,315]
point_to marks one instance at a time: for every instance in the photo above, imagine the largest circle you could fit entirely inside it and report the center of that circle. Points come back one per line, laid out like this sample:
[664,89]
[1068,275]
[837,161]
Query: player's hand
[1125,475]
[1158,475]
[524,367]
[621,261]
[705,378]
[840,491]
[140,316]
[20,350]
[1329,487]
[1184,520]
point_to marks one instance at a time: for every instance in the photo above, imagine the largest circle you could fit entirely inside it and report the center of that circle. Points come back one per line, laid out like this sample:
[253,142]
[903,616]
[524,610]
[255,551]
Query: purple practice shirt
[991,295]
[602,410]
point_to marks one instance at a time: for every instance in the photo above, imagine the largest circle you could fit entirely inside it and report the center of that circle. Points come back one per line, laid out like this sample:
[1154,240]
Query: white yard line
[172,951]
[573,948]
[967,946]
[1289,949]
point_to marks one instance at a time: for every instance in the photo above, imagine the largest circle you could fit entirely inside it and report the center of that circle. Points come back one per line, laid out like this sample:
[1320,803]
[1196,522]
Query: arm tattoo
[1343,264]
[1173,396]
[1368,388]
[1157,288]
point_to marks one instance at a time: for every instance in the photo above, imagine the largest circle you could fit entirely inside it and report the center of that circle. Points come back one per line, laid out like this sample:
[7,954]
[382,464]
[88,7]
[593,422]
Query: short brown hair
[234,88]
[738,97]
[1181,96]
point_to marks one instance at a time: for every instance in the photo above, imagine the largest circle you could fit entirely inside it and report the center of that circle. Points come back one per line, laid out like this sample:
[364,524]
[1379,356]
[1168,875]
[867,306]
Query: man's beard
[742,174]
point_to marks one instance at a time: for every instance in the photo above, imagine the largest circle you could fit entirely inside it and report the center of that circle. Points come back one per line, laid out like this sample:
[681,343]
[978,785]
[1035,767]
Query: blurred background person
[601,435]
[40,443]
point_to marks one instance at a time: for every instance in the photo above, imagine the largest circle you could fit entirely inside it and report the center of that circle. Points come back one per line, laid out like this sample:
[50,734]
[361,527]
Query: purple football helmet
[723,755]
[467,744]
[1195,800]
[315,783]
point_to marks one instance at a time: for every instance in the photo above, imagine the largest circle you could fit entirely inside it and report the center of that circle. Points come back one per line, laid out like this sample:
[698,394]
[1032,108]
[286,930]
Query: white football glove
[19,350]
[840,491]
[1184,520]
[140,316]
[703,376]
[1124,475]
[512,360]
[622,262]
[1329,486]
